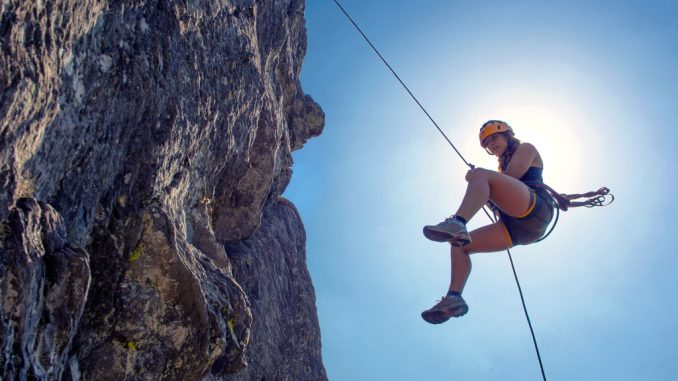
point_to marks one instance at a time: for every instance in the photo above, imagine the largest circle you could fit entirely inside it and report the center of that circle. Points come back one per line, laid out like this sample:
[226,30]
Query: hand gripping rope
[562,201]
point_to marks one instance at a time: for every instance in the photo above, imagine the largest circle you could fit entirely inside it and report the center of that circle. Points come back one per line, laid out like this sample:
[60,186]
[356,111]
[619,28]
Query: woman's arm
[521,160]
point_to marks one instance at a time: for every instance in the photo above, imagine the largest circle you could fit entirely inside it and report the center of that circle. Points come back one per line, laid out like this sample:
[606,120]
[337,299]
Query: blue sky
[593,85]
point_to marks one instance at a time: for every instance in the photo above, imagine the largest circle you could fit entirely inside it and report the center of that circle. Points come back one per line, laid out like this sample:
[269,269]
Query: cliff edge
[144,147]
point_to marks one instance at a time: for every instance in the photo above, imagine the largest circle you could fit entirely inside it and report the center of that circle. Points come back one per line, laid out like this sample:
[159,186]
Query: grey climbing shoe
[450,230]
[449,306]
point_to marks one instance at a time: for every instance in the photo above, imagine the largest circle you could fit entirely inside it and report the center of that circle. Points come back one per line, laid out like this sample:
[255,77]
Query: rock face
[44,288]
[271,265]
[144,148]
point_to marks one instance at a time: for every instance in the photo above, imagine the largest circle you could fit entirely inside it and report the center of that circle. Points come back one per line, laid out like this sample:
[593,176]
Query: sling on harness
[565,201]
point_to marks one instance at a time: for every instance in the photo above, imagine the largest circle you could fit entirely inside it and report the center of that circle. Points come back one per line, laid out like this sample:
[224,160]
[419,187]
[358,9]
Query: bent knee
[468,249]
[481,174]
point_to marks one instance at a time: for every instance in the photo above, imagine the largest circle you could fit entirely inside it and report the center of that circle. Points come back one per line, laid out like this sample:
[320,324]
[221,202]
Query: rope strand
[515,274]
[403,83]
[522,300]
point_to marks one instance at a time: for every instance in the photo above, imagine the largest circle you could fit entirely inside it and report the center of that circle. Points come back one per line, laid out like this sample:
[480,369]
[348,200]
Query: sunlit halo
[554,130]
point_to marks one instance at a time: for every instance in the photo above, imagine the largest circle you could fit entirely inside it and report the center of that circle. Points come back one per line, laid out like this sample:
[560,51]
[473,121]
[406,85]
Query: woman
[524,212]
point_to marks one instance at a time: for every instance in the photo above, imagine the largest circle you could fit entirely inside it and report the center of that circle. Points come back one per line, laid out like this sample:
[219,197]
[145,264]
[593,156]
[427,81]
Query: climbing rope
[515,274]
[403,83]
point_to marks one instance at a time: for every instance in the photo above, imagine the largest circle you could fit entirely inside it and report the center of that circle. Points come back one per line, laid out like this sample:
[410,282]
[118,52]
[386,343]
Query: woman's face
[496,144]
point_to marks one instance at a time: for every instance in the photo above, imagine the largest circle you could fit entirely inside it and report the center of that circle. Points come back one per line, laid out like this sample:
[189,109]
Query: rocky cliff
[144,147]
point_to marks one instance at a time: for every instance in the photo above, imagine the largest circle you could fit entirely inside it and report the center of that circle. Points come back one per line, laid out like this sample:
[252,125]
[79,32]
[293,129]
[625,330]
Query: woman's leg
[509,194]
[486,239]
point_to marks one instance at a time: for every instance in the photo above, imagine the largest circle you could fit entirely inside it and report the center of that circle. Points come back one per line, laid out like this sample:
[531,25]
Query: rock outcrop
[271,266]
[144,147]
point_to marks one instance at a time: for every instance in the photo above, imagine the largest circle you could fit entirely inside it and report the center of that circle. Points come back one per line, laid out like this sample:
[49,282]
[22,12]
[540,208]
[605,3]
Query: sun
[552,126]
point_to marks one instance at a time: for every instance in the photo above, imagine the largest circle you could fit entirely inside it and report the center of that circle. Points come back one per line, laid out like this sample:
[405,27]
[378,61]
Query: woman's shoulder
[530,150]
[526,146]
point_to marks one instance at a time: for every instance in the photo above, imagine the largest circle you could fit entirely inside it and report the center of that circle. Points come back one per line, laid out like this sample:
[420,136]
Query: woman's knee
[457,250]
[480,174]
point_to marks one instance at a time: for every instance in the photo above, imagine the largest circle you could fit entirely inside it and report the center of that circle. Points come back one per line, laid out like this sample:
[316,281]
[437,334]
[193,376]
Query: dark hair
[513,144]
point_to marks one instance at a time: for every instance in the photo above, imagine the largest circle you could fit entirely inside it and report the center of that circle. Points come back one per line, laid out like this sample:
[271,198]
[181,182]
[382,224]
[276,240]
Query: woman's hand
[469,173]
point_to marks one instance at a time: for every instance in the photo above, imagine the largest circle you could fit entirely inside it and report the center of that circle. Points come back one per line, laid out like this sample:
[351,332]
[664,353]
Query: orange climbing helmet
[492,127]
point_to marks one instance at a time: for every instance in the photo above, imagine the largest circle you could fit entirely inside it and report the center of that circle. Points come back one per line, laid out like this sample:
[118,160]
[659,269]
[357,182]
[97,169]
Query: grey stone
[43,283]
[272,267]
[136,140]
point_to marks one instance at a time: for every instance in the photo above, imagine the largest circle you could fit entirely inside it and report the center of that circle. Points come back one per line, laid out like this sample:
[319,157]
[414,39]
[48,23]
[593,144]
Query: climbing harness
[562,201]
[565,201]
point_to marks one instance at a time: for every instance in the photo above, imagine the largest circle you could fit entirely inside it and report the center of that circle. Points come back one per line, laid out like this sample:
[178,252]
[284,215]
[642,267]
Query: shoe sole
[443,315]
[439,235]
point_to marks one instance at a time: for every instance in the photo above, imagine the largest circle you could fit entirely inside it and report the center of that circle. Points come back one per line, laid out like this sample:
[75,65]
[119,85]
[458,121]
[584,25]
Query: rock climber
[524,212]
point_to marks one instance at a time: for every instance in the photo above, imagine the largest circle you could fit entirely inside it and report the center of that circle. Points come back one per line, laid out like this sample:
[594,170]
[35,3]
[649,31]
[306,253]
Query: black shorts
[526,229]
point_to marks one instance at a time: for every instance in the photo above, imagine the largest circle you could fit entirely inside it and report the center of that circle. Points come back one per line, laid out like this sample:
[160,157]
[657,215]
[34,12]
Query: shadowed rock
[272,266]
[44,283]
[135,139]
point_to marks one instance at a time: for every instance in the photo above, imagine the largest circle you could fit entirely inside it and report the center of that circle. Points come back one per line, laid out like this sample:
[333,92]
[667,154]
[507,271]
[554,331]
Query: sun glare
[552,128]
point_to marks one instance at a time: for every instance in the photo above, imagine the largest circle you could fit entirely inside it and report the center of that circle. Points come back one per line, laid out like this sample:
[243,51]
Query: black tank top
[533,175]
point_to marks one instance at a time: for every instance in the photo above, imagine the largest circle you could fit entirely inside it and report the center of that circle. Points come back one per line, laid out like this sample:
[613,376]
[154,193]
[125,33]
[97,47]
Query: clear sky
[593,85]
